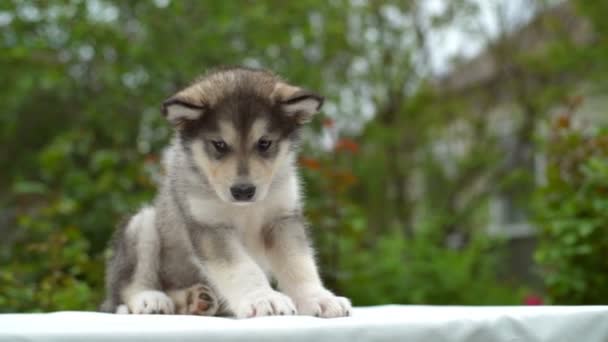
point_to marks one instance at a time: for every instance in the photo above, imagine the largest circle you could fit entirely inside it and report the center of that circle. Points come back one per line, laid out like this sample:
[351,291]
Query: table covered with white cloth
[380,323]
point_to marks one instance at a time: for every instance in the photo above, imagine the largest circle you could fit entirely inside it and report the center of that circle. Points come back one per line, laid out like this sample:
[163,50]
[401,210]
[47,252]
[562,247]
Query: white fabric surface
[381,323]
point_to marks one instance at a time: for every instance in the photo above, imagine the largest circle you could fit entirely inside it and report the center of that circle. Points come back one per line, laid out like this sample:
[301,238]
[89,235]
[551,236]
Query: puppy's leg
[292,263]
[237,277]
[142,294]
[198,299]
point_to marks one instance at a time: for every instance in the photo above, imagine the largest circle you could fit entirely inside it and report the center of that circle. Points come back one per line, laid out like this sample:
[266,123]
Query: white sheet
[381,323]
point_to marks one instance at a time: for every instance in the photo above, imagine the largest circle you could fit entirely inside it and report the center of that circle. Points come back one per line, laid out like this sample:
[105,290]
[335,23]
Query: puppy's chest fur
[249,221]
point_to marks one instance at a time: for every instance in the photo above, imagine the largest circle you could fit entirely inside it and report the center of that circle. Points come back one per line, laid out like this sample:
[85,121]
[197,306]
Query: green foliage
[395,265]
[395,269]
[572,211]
[56,262]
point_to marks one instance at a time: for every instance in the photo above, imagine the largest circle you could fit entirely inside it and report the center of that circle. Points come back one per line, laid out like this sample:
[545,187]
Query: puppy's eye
[220,146]
[264,144]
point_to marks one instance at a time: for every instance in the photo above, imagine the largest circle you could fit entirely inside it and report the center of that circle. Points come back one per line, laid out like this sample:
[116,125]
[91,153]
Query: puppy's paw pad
[265,303]
[201,300]
[323,303]
[151,302]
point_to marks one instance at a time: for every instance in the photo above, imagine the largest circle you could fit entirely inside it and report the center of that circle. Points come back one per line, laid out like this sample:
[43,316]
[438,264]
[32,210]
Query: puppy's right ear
[179,110]
[296,102]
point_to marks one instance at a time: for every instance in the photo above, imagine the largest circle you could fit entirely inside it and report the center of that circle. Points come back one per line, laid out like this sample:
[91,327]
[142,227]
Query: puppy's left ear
[179,110]
[296,102]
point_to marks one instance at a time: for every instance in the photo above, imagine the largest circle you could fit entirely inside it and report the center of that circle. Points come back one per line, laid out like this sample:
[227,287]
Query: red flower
[533,300]
[327,122]
[346,178]
[310,163]
[151,158]
[575,101]
[563,121]
[346,144]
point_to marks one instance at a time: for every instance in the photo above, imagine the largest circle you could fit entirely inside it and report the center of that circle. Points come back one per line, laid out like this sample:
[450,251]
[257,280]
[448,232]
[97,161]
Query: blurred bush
[420,271]
[55,260]
[572,213]
[395,265]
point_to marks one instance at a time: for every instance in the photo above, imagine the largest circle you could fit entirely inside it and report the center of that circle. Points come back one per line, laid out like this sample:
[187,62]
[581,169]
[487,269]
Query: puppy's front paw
[265,303]
[200,300]
[151,302]
[322,303]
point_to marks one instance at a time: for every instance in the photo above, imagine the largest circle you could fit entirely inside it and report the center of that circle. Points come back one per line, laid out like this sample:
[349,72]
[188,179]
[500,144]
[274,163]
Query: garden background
[461,156]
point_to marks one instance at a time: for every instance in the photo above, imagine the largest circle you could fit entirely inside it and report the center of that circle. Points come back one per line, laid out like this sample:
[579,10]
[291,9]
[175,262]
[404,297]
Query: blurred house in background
[489,71]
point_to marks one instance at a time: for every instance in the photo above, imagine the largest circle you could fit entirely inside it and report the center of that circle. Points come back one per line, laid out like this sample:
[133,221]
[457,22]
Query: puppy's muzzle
[242,192]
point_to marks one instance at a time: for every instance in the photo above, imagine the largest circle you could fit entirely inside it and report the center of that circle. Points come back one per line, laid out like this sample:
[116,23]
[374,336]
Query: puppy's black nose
[242,192]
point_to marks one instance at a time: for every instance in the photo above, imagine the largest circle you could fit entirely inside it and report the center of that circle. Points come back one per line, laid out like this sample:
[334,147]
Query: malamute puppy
[229,210]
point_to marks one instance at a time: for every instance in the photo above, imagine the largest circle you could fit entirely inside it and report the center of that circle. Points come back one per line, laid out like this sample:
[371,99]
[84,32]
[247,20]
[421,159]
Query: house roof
[486,68]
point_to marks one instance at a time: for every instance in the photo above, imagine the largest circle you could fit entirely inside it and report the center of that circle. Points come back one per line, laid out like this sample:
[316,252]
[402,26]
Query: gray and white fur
[228,214]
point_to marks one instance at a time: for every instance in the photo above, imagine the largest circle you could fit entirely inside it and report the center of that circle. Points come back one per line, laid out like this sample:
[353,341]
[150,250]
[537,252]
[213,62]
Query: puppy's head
[238,127]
